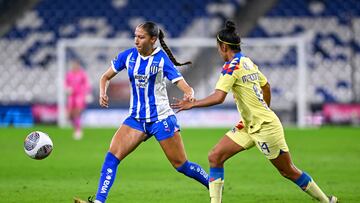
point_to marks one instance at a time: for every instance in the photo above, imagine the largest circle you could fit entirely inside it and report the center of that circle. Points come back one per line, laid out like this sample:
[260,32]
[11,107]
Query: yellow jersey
[244,79]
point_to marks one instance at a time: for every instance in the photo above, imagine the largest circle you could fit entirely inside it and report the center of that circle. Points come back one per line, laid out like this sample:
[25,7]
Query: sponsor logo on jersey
[142,80]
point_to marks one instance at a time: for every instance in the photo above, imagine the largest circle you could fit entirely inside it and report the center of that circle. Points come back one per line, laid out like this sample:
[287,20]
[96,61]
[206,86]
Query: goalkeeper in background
[77,88]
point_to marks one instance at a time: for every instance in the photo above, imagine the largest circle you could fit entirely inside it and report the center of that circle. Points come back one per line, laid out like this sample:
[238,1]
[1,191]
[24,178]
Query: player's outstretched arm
[215,98]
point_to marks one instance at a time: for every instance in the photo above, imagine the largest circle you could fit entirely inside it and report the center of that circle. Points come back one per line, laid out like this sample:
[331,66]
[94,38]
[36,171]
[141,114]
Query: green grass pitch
[330,154]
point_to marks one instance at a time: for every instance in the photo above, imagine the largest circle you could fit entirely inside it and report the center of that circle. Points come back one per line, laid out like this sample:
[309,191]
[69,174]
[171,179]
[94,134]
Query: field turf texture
[331,155]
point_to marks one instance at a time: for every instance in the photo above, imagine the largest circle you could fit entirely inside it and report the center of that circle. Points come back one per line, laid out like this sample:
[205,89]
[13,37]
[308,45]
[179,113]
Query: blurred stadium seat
[29,64]
[334,54]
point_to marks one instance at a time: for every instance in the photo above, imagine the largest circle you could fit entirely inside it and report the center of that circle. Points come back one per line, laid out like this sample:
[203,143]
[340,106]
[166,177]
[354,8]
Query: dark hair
[229,36]
[154,31]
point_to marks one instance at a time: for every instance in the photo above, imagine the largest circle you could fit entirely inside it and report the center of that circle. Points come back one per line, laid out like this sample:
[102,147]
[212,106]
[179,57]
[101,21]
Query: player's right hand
[104,101]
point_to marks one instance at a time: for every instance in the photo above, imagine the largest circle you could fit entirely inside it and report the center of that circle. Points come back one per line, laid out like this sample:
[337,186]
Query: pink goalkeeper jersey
[78,83]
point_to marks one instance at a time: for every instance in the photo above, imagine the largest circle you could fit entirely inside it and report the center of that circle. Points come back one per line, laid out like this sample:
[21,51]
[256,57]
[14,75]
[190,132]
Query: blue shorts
[161,129]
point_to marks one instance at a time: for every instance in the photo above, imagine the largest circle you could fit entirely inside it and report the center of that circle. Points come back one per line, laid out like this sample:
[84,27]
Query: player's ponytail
[152,29]
[229,36]
[168,51]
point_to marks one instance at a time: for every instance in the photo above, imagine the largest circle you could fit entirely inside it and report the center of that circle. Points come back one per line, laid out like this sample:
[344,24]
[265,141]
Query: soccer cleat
[333,199]
[78,200]
[89,200]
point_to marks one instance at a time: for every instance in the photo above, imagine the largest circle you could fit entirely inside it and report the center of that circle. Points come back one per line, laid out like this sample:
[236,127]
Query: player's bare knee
[116,152]
[214,158]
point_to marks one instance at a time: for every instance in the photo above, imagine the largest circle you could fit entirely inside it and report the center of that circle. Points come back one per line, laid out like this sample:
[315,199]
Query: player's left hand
[181,105]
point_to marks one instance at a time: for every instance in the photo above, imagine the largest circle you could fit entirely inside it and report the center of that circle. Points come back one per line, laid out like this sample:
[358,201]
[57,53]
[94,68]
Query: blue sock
[107,176]
[194,171]
[303,180]
[216,173]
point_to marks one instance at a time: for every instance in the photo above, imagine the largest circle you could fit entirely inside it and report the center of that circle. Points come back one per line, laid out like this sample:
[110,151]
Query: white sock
[314,191]
[215,190]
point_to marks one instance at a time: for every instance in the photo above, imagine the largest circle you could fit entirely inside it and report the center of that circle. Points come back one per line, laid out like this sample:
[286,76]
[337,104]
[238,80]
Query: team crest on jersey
[246,66]
[231,67]
[154,69]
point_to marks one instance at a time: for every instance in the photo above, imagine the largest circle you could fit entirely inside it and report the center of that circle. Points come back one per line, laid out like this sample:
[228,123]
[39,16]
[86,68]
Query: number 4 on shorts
[264,147]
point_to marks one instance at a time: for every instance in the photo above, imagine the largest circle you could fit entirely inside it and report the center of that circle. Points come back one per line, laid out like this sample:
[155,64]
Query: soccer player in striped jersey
[260,127]
[150,113]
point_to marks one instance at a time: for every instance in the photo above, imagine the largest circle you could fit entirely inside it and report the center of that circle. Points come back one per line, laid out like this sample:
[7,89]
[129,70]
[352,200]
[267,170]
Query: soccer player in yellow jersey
[260,126]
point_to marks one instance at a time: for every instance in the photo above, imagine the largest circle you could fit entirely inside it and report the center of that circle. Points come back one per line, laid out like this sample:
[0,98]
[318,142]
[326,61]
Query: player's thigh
[270,139]
[166,132]
[174,149]
[80,102]
[76,111]
[125,140]
[232,143]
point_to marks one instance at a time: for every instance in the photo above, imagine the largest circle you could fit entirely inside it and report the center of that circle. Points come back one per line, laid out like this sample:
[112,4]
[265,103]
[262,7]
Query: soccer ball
[38,145]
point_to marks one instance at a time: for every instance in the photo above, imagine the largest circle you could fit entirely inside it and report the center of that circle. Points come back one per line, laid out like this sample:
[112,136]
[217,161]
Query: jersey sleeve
[170,71]
[119,62]
[225,82]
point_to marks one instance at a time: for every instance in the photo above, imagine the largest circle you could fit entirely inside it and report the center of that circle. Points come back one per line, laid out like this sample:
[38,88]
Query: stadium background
[29,34]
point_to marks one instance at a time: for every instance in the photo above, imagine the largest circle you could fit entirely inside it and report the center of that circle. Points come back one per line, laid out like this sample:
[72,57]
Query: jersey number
[264,147]
[259,95]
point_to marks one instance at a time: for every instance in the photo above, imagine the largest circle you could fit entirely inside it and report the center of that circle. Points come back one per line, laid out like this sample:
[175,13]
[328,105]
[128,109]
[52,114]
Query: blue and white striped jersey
[149,101]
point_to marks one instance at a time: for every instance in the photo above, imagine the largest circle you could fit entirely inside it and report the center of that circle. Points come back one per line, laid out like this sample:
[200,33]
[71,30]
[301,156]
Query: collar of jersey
[157,49]
[237,55]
